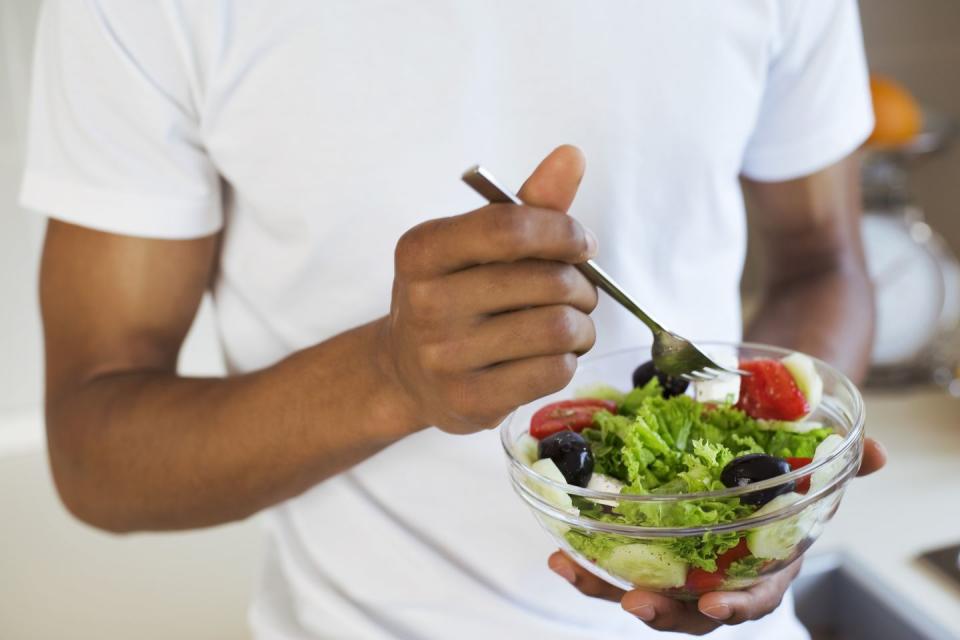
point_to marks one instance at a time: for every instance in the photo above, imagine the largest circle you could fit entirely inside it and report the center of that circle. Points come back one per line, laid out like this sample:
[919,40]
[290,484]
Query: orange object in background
[897,114]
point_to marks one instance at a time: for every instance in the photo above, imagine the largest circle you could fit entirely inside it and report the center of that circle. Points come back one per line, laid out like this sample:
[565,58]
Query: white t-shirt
[314,133]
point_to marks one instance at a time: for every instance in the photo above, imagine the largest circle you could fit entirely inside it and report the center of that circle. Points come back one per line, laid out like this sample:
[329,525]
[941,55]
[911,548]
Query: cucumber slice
[777,540]
[648,566]
[526,449]
[556,497]
[824,475]
[805,374]
[601,482]
[787,425]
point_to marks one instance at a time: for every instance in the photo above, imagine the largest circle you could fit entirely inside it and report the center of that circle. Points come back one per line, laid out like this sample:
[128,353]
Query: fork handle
[483,182]
[602,280]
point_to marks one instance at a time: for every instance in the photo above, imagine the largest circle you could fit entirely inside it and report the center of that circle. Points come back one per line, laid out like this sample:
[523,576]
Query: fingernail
[881,448]
[592,243]
[643,611]
[718,612]
[566,573]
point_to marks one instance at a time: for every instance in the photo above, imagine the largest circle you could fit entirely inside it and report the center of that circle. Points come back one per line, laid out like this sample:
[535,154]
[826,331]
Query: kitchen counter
[913,505]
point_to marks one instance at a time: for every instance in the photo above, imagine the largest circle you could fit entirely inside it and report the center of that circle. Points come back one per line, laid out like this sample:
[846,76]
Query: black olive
[572,455]
[670,385]
[755,467]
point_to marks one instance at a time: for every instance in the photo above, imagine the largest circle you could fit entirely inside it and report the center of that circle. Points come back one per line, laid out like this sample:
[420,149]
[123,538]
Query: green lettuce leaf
[601,392]
[702,551]
[635,398]
[595,546]
[748,567]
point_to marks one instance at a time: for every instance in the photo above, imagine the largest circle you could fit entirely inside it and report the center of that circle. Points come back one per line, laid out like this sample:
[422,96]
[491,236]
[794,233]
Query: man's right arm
[487,314]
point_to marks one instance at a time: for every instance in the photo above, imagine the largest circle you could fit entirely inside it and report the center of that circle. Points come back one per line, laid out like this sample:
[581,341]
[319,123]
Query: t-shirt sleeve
[816,105]
[114,140]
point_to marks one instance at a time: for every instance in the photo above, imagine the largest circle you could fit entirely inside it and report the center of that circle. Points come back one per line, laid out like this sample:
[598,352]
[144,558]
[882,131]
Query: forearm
[817,295]
[828,314]
[150,450]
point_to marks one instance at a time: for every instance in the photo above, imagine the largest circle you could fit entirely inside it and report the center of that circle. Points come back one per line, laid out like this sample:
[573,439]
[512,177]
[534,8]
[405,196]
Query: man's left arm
[816,294]
[816,298]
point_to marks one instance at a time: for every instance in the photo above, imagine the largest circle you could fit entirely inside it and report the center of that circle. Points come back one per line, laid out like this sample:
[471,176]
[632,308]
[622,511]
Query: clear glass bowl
[795,525]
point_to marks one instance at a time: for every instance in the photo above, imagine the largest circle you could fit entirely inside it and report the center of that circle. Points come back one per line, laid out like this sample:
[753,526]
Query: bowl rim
[858,419]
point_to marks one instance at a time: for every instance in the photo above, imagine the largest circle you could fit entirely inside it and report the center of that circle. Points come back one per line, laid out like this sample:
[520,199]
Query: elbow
[90,515]
[85,504]
[81,489]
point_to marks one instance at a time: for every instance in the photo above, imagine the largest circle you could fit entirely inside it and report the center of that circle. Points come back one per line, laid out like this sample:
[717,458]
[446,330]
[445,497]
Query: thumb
[553,184]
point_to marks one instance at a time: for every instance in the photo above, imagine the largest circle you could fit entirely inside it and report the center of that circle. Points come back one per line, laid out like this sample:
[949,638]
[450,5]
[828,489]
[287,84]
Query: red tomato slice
[727,558]
[803,483]
[700,581]
[575,415]
[770,392]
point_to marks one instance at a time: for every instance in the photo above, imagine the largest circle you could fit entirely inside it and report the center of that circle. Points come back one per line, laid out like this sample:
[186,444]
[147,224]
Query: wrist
[394,404]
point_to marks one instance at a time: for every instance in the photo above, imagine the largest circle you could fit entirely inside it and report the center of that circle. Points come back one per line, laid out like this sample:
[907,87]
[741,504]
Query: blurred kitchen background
[61,579]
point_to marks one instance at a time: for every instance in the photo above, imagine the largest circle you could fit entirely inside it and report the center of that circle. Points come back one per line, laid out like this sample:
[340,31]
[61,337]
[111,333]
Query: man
[296,157]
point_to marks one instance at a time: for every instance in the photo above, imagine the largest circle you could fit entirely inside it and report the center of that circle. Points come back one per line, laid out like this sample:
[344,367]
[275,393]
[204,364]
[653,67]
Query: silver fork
[672,355]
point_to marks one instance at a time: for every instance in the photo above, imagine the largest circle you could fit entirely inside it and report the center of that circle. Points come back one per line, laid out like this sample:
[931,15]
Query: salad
[666,436]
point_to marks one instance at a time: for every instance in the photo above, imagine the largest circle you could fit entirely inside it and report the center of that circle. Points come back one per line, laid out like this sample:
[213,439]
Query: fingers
[505,232]
[554,183]
[713,609]
[734,607]
[499,287]
[584,581]
[874,457]
[540,331]
[495,233]
[504,387]
[667,614]
[487,314]
[473,401]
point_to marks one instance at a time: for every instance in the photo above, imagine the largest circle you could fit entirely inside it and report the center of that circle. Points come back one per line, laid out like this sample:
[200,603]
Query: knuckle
[590,338]
[574,234]
[565,282]
[593,299]
[424,299]
[562,326]
[410,246]
[558,371]
[566,367]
